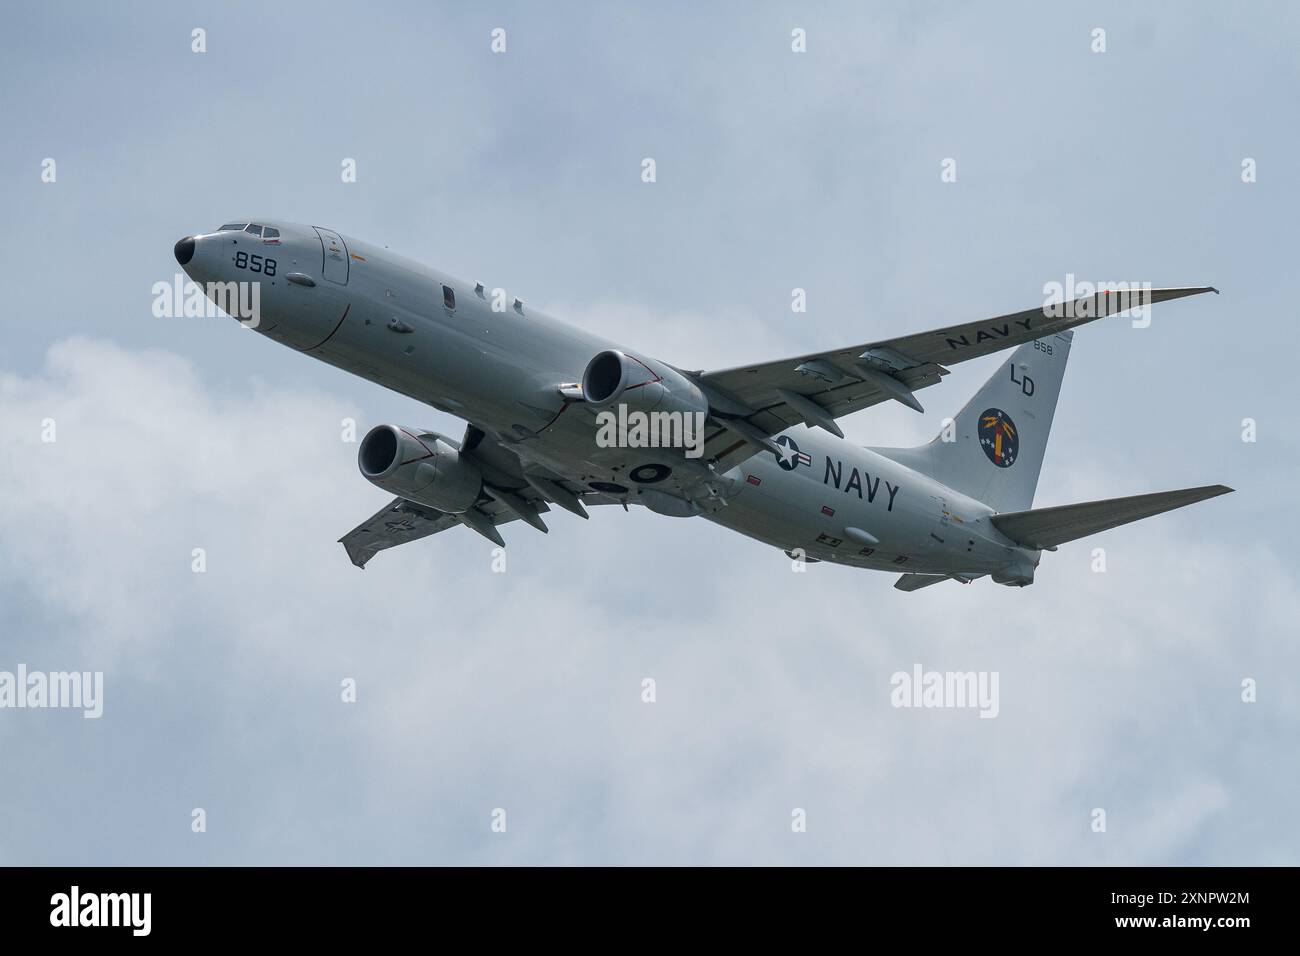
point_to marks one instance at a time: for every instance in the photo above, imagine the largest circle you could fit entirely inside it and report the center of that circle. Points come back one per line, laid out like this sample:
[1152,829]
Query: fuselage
[476,353]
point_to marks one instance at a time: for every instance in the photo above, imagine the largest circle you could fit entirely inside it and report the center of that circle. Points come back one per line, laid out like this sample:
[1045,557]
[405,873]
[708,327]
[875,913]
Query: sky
[1167,158]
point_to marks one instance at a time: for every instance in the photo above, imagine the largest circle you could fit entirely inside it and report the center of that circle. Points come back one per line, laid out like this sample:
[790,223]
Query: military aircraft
[559,417]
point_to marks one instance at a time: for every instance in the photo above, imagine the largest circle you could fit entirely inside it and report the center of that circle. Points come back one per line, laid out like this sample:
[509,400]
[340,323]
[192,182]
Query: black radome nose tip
[184,250]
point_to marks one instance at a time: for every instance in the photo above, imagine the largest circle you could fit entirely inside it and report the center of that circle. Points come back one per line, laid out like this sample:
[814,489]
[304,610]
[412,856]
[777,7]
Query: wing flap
[1045,528]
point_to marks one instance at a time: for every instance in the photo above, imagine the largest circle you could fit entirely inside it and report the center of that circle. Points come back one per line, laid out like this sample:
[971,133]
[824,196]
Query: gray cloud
[480,690]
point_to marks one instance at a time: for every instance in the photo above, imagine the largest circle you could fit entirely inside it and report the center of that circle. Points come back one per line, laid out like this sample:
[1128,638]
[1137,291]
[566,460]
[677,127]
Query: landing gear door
[335,252]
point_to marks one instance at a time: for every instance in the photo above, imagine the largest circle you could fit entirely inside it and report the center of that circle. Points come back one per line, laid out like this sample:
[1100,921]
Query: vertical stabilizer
[994,447]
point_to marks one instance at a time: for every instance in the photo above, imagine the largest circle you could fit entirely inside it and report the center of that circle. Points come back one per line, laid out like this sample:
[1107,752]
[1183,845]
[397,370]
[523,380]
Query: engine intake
[420,466]
[646,384]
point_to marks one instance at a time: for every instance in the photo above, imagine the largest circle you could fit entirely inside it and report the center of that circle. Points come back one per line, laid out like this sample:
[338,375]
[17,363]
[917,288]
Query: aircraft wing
[753,402]
[508,494]
[396,523]
[1045,528]
[401,521]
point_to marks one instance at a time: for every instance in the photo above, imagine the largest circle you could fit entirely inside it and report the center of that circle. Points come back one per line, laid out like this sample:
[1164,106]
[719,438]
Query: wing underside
[401,521]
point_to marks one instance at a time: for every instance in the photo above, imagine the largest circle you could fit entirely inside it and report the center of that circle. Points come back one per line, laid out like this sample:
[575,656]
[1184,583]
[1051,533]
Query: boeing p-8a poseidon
[768,459]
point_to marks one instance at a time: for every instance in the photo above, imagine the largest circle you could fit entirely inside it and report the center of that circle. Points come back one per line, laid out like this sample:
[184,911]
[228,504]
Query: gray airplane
[557,416]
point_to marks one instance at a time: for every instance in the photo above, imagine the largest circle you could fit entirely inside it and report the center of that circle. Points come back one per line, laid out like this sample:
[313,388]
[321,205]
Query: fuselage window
[448,297]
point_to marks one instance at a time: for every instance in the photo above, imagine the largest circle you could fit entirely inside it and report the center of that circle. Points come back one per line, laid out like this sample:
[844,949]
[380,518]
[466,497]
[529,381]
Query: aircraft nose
[184,250]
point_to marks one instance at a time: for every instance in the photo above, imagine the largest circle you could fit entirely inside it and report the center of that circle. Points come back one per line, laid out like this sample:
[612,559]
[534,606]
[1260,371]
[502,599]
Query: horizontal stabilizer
[1045,528]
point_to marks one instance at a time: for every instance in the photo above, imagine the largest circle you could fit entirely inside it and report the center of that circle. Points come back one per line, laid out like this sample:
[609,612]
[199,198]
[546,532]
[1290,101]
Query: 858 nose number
[255,263]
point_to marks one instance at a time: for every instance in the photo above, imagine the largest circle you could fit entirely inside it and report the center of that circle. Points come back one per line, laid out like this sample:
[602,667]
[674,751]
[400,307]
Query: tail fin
[993,449]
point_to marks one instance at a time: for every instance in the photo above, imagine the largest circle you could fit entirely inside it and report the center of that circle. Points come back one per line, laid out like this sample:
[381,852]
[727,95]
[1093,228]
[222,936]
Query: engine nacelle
[644,384]
[419,466]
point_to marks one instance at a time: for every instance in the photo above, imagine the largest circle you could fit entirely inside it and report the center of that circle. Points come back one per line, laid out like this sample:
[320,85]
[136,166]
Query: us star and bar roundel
[790,456]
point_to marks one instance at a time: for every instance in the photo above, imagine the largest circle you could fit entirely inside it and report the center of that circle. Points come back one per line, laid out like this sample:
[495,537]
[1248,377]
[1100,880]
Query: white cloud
[522,690]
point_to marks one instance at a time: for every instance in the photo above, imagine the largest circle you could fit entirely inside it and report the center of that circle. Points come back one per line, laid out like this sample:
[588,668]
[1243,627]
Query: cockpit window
[233,227]
[270,232]
[253,229]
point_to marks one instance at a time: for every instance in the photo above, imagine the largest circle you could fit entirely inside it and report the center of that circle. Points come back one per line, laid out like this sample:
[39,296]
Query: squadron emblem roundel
[999,437]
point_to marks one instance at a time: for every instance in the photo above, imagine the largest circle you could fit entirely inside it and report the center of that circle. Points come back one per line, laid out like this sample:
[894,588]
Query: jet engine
[421,467]
[644,384]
